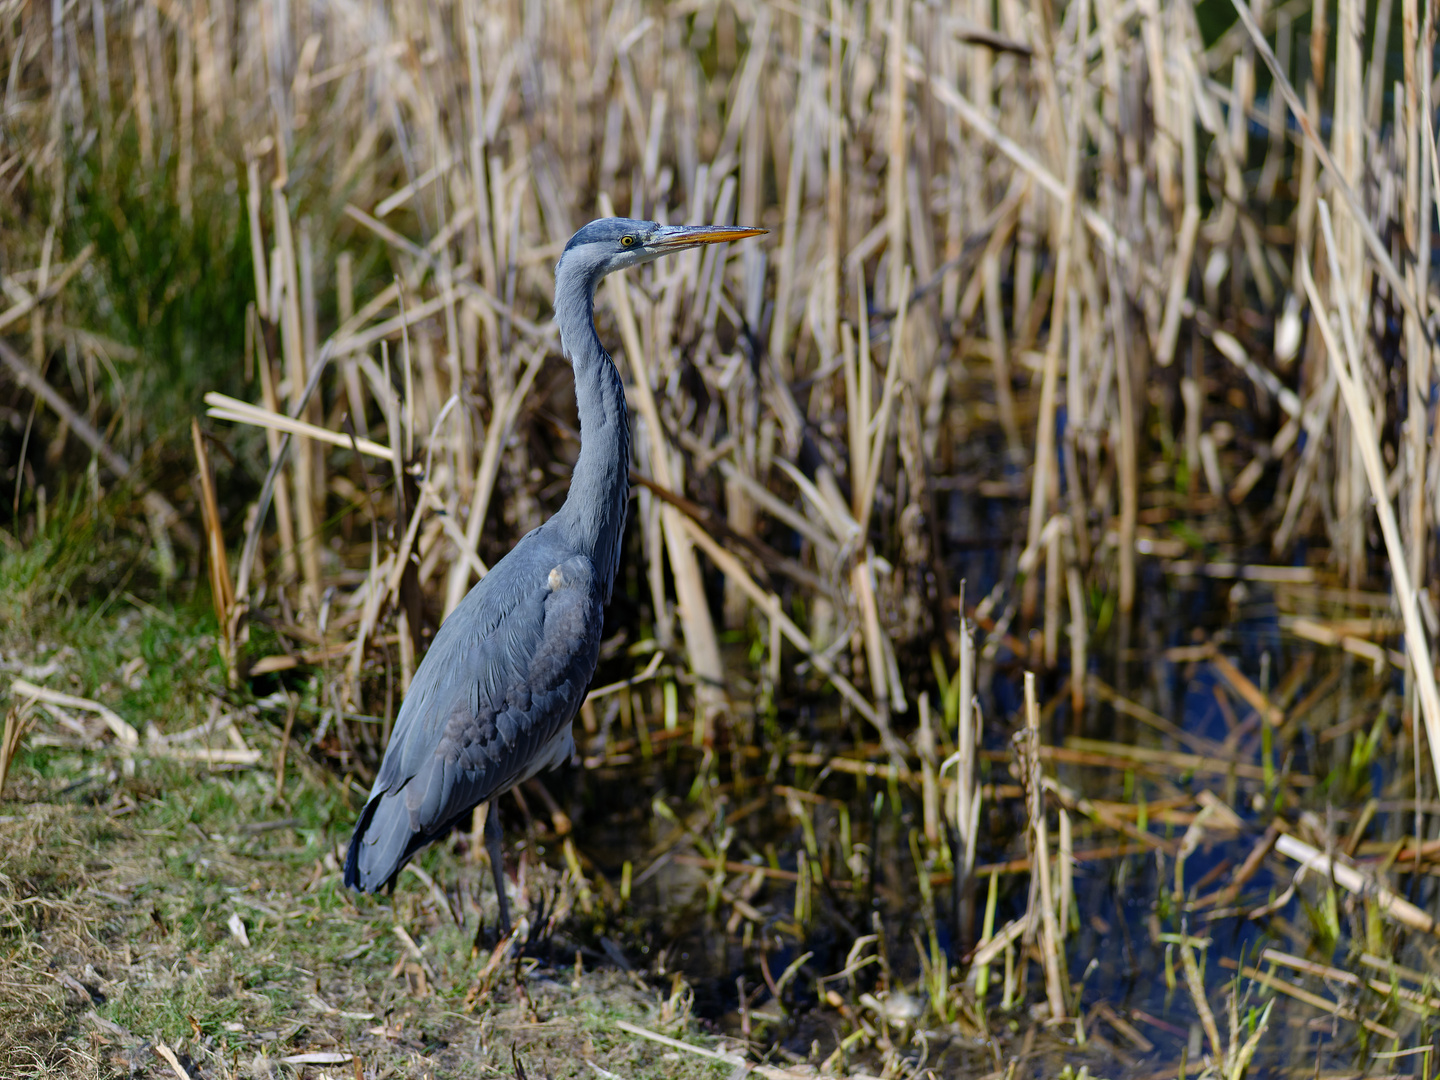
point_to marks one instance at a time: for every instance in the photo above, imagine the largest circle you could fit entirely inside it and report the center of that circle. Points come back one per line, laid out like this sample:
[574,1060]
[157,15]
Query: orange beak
[679,237]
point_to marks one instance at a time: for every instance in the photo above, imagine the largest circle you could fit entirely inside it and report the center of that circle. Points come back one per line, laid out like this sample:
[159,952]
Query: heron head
[610,244]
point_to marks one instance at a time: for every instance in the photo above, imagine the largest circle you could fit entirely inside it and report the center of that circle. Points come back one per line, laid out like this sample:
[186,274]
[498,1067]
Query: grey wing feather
[490,706]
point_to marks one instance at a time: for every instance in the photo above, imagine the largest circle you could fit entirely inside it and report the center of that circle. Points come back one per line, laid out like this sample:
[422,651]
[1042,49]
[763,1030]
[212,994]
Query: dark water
[1126,918]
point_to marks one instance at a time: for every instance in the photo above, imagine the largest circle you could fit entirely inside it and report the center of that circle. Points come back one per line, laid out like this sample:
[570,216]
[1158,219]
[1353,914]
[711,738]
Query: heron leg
[493,840]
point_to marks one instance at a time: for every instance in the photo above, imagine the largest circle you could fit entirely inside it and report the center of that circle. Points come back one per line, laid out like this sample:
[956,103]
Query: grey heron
[493,700]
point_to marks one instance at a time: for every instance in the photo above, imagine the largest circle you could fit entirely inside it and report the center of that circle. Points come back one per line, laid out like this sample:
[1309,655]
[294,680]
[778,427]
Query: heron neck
[594,510]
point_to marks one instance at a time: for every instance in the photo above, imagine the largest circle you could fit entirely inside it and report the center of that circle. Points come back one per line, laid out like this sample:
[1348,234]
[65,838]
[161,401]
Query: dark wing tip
[354,876]
[352,864]
[384,838]
[352,859]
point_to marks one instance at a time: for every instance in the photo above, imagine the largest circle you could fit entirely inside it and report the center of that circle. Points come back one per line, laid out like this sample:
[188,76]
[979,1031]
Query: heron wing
[490,705]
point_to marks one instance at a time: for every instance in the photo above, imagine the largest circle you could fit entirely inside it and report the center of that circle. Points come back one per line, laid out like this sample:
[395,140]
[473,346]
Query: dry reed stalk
[862,584]
[963,808]
[1195,983]
[834,174]
[868,430]
[1066,883]
[1326,1006]
[929,789]
[222,590]
[1053,575]
[1182,262]
[17,723]
[307,536]
[1349,373]
[1371,239]
[999,354]
[795,179]
[1128,480]
[144,105]
[1044,485]
[345,303]
[1043,923]
[223,407]
[1348,877]
[1317,414]
[283,516]
[896,43]
[125,734]
[1079,627]
[1347,978]
[1419,195]
[49,287]
[1350,276]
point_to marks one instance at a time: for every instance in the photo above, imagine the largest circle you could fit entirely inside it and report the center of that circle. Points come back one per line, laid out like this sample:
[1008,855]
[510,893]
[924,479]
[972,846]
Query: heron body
[493,700]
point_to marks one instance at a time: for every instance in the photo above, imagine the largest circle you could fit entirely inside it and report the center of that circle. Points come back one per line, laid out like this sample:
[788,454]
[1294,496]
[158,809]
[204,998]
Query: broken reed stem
[1196,985]
[1361,884]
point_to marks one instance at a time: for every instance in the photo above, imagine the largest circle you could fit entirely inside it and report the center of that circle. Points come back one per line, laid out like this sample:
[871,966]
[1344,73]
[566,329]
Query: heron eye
[627,241]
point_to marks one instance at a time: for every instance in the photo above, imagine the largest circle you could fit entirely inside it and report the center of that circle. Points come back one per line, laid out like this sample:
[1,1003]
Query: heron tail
[381,845]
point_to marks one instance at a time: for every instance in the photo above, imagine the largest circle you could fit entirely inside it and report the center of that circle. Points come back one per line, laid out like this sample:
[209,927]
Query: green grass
[119,883]
[173,287]
[142,923]
[136,910]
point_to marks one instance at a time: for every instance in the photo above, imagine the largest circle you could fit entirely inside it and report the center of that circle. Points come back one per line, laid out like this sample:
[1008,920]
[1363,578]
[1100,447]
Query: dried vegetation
[1081,390]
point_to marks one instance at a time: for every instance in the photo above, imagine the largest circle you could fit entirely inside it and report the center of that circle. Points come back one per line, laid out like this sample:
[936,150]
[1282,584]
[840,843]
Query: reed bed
[1064,311]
